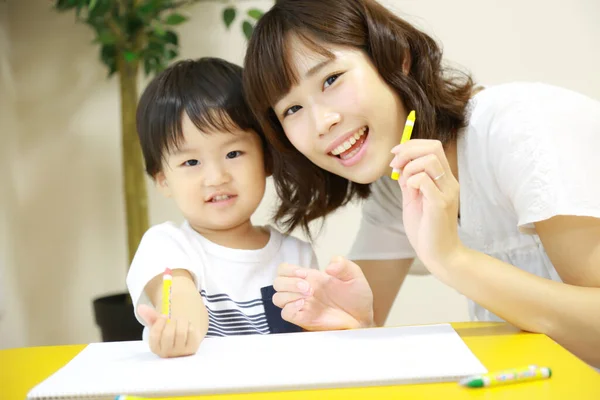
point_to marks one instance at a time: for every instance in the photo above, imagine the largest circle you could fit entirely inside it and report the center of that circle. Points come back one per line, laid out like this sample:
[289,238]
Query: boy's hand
[174,338]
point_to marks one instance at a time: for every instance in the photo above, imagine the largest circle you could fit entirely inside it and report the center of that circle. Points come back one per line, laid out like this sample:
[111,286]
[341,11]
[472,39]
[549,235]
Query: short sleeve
[297,251]
[308,257]
[314,262]
[162,246]
[545,153]
[381,234]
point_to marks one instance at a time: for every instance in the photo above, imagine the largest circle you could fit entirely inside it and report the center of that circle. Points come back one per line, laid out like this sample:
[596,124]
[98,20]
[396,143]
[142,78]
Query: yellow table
[498,346]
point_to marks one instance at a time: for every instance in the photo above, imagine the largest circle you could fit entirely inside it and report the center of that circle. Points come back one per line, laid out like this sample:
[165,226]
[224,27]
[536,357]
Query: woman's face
[341,115]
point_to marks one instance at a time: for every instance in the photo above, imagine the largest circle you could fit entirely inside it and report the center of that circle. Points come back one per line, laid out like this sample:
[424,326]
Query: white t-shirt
[235,285]
[530,152]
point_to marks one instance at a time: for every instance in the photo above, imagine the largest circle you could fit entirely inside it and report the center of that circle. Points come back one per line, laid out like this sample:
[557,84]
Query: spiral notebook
[291,361]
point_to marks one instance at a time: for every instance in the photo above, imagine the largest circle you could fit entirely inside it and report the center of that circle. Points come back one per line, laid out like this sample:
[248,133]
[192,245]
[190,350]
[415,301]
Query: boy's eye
[329,81]
[291,110]
[191,163]
[234,154]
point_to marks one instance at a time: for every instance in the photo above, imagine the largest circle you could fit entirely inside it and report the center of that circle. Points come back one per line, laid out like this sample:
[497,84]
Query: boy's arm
[186,302]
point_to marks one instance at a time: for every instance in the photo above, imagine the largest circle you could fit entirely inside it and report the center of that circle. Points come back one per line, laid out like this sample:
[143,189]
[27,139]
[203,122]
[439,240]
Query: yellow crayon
[166,293]
[408,128]
[125,397]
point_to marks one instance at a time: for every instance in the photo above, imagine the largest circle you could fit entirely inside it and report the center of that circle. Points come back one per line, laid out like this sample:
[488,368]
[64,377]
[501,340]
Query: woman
[332,82]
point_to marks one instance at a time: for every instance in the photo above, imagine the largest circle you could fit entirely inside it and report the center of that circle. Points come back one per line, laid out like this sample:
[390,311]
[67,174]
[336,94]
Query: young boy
[204,150]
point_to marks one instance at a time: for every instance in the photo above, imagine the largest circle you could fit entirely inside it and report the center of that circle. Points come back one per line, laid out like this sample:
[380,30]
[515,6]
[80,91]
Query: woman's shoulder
[521,90]
[523,104]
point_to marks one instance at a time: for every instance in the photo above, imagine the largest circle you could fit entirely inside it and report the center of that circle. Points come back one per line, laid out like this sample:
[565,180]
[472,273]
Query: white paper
[367,357]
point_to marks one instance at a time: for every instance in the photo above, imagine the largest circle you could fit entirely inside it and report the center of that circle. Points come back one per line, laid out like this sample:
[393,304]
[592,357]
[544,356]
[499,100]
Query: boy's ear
[162,184]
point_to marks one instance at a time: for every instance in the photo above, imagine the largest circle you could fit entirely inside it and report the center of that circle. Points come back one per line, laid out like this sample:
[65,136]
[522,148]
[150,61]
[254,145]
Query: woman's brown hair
[438,95]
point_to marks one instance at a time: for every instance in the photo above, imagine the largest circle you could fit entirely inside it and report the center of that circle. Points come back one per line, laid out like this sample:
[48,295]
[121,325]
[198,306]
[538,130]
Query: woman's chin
[364,172]
[364,175]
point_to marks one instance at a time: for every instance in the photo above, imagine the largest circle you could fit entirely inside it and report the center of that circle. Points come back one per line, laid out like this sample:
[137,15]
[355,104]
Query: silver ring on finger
[440,176]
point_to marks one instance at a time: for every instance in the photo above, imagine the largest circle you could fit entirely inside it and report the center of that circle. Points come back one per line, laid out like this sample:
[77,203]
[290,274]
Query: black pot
[115,317]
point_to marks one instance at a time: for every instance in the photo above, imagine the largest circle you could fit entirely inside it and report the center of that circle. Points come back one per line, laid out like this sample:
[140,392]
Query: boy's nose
[216,176]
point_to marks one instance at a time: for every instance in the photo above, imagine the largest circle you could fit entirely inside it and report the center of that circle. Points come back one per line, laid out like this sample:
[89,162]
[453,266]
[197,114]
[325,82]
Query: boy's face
[217,179]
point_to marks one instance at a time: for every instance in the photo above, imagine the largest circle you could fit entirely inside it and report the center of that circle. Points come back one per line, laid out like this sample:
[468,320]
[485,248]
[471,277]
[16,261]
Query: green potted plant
[133,35]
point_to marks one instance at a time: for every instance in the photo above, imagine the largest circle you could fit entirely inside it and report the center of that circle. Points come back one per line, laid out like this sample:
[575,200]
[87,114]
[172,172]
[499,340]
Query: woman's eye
[329,81]
[291,110]
[191,163]
[234,154]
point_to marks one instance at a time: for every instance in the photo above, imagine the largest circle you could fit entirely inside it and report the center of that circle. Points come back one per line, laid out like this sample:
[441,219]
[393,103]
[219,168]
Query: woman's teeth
[350,155]
[349,142]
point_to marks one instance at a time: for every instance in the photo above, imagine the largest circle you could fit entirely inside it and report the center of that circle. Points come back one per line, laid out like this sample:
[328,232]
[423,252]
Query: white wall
[11,317]
[62,238]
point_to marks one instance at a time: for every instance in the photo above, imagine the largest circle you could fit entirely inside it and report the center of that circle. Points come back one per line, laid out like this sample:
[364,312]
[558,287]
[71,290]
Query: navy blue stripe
[221,314]
[233,330]
[238,329]
[240,305]
[225,298]
[242,324]
[213,298]
[237,319]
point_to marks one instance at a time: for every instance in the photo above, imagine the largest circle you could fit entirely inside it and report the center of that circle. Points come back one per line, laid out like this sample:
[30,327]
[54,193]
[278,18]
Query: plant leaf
[255,13]
[159,29]
[149,9]
[171,37]
[171,54]
[248,29]
[62,5]
[129,56]
[78,11]
[106,37]
[92,5]
[108,57]
[147,66]
[175,19]
[133,24]
[229,16]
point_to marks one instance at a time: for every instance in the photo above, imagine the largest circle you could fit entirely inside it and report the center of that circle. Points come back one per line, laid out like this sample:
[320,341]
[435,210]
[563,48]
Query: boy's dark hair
[208,90]
[438,94]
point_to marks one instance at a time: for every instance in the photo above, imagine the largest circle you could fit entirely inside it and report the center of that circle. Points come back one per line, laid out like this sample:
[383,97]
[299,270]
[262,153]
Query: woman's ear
[162,184]
[406,63]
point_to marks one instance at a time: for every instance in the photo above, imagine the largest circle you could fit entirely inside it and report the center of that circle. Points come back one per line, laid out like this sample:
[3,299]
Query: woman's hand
[430,197]
[337,298]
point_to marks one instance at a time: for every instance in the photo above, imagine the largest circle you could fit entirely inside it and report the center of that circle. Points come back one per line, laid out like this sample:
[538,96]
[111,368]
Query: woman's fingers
[417,148]
[431,165]
[423,183]
[282,299]
[295,285]
[291,270]
[292,313]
